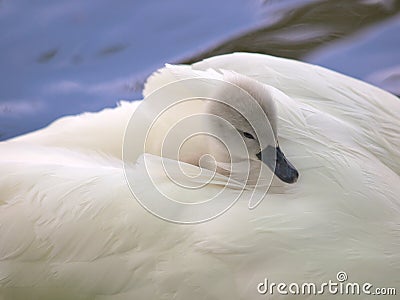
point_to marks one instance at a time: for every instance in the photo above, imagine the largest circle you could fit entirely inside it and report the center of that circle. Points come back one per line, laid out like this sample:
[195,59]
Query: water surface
[67,57]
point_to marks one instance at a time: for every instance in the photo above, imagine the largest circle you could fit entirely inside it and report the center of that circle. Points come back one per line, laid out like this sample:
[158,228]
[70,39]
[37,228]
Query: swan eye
[248,135]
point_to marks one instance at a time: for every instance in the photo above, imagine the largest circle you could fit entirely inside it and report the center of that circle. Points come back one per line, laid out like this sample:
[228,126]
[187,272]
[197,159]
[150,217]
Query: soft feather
[70,229]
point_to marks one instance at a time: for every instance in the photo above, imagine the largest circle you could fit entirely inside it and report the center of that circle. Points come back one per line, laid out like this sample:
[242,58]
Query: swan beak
[281,166]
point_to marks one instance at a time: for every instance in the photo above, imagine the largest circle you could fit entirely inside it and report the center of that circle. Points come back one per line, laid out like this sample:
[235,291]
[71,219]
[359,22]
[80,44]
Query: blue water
[67,57]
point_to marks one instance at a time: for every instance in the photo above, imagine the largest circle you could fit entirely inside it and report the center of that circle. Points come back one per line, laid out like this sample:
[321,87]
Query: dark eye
[248,135]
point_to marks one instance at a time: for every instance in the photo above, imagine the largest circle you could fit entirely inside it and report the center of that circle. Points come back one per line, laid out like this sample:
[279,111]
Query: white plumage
[70,229]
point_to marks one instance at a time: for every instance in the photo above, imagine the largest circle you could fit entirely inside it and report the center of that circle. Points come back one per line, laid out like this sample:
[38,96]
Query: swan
[70,227]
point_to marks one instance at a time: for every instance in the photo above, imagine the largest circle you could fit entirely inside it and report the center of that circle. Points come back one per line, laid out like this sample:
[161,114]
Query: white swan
[69,228]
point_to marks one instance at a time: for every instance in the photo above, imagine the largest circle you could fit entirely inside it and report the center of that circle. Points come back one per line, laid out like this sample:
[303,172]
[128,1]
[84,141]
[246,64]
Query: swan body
[71,229]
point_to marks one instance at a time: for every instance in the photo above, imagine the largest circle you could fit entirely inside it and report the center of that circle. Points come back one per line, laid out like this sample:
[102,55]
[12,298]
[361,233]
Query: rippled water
[67,57]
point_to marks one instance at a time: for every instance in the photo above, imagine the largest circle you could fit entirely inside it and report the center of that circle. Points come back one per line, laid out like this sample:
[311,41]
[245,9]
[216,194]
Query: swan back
[70,228]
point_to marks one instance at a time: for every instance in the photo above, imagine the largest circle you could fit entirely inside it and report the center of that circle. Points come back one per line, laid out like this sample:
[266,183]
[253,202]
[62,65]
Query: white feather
[70,229]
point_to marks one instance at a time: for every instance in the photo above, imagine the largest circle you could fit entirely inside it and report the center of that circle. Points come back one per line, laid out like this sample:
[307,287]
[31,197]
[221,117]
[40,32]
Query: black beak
[277,162]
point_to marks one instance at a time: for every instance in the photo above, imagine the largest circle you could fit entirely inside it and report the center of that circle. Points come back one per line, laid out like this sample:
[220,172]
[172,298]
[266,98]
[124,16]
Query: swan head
[252,122]
[228,126]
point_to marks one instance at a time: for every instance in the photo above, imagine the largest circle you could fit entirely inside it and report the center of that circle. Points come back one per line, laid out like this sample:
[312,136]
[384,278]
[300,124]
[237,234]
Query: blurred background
[62,57]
